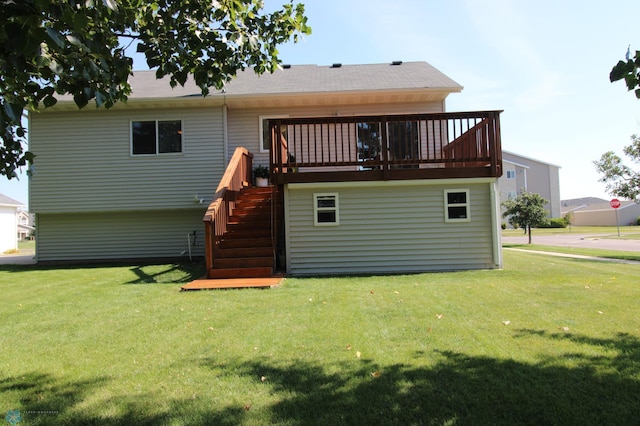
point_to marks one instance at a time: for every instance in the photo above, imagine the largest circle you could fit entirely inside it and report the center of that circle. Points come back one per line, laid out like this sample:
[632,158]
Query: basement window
[456,205]
[325,210]
[156,137]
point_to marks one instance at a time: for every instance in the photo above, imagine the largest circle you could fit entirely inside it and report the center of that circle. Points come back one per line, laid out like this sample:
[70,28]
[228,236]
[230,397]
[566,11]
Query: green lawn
[545,341]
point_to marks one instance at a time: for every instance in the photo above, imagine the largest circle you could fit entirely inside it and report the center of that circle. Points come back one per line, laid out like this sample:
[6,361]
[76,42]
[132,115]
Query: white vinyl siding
[121,235]
[389,229]
[84,163]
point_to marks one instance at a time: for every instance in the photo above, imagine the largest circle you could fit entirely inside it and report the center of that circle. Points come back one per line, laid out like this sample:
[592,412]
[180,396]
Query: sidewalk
[576,256]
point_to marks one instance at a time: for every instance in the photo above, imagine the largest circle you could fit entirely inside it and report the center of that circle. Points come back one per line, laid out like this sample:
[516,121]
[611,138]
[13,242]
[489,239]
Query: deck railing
[463,144]
[217,216]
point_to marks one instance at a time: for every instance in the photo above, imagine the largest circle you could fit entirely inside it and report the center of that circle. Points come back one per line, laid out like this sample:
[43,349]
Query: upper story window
[325,210]
[511,174]
[456,205]
[156,137]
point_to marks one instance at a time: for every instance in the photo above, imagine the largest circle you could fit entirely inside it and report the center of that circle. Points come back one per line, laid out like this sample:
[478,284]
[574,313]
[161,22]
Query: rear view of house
[368,173]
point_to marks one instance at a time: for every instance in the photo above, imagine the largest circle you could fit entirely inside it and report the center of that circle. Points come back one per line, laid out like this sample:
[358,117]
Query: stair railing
[216,219]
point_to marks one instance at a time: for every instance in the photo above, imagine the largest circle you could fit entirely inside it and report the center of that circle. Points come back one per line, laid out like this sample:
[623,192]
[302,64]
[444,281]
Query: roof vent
[336,65]
[286,66]
[396,63]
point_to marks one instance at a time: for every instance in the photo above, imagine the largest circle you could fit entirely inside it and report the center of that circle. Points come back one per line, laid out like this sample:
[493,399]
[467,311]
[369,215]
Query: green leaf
[111,4]
[14,111]
[49,101]
[55,36]
[81,100]
[100,99]
[56,67]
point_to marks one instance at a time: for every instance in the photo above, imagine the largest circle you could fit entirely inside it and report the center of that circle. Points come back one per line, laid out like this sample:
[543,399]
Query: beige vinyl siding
[84,162]
[122,235]
[389,228]
[244,124]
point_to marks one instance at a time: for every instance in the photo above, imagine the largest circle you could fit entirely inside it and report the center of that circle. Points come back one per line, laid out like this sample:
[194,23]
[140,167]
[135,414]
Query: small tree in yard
[526,210]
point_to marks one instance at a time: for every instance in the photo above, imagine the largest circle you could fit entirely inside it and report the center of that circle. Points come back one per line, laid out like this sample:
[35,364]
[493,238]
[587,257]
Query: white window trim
[157,120]
[317,209]
[467,205]
[261,118]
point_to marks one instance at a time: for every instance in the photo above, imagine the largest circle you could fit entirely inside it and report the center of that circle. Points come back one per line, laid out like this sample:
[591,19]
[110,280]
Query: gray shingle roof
[8,201]
[301,79]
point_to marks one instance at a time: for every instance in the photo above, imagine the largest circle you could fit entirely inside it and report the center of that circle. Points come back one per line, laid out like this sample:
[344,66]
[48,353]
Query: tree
[526,210]
[80,47]
[620,179]
[629,70]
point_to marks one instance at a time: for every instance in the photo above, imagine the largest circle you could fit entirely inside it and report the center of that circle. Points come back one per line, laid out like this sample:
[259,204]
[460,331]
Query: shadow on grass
[47,400]
[460,389]
[456,389]
[179,273]
[146,273]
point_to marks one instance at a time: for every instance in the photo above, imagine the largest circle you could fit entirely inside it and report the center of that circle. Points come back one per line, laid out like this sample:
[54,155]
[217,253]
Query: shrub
[556,222]
[503,226]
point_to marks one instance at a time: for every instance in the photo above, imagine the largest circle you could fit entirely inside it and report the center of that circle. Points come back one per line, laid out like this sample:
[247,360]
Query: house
[369,174]
[527,174]
[25,227]
[9,210]
[593,211]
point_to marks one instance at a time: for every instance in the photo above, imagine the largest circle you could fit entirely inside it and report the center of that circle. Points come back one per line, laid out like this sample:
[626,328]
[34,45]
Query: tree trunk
[529,232]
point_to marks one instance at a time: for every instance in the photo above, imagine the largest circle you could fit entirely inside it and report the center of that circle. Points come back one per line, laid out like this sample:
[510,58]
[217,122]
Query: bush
[503,226]
[638,220]
[556,222]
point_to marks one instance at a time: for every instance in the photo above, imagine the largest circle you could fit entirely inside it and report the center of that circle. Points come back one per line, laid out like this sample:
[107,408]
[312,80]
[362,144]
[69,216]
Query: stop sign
[615,203]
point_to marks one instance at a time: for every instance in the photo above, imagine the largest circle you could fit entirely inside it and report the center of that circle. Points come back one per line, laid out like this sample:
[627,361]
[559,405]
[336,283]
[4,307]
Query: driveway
[17,259]
[577,241]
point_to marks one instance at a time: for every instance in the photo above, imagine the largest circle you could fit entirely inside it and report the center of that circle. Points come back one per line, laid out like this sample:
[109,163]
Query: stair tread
[241,272]
[243,262]
[244,252]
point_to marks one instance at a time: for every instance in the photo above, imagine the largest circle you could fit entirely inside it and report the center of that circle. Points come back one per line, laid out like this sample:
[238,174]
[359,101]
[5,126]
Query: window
[325,210]
[156,137]
[511,174]
[265,138]
[456,205]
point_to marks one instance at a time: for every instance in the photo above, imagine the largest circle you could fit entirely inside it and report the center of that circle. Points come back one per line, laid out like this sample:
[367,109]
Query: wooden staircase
[246,250]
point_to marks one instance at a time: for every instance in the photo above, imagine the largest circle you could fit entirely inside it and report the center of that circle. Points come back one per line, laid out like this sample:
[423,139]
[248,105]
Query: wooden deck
[230,283]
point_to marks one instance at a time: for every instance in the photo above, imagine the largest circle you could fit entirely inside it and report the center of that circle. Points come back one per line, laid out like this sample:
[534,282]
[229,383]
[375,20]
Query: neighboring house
[8,223]
[598,212]
[373,176]
[25,226]
[527,174]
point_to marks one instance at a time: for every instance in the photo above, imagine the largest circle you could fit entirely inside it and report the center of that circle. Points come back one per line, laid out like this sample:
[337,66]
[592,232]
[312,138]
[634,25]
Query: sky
[545,63]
